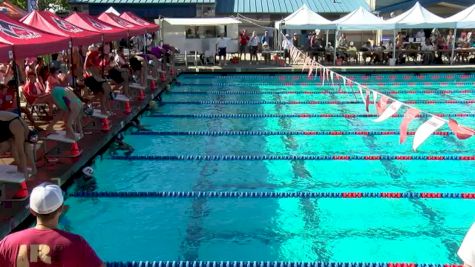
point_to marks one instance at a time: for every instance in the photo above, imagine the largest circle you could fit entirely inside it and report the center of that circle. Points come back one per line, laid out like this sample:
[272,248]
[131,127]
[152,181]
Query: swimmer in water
[136,123]
[119,144]
[86,181]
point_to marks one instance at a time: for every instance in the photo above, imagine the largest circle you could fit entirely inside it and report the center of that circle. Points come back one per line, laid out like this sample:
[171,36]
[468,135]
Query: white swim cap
[88,171]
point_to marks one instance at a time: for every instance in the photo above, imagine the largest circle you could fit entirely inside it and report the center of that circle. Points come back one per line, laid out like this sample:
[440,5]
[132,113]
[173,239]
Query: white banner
[425,130]
[391,110]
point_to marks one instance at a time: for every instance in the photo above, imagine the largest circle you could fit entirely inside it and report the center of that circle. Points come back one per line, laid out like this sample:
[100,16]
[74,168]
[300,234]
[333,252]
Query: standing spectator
[295,40]
[254,44]
[286,45]
[221,45]
[265,38]
[266,52]
[467,249]
[45,245]
[243,39]
[450,39]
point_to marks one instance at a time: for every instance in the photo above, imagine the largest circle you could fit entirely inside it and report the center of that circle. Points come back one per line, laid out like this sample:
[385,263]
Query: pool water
[283,229]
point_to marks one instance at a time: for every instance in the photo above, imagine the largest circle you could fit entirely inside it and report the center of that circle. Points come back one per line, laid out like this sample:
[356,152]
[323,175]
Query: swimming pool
[325,229]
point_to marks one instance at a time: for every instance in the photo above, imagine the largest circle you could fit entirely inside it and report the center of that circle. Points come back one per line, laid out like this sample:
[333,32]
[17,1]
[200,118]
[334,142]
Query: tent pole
[452,55]
[394,44]
[334,48]
[326,39]
[71,66]
[16,77]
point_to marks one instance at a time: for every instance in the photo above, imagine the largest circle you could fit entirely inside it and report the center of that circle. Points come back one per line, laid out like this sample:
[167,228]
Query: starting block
[126,100]
[136,86]
[12,181]
[60,136]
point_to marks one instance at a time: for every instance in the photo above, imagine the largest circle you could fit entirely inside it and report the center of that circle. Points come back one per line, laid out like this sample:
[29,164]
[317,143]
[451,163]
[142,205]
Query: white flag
[391,110]
[425,130]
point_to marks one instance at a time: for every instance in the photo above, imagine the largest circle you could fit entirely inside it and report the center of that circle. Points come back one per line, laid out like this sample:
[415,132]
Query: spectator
[221,45]
[286,45]
[342,42]
[266,52]
[35,93]
[367,52]
[265,38]
[329,50]
[466,251]
[450,38]
[254,45]
[45,243]
[94,80]
[428,52]
[295,40]
[243,40]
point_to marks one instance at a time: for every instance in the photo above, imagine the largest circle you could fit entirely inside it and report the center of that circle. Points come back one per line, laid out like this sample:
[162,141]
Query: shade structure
[465,19]
[305,19]
[119,22]
[113,11]
[5,51]
[131,17]
[418,18]
[27,41]
[201,21]
[362,19]
[90,23]
[12,11]
[49,22]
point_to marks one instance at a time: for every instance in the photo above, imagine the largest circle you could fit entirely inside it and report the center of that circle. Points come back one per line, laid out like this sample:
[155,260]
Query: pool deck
[14,213]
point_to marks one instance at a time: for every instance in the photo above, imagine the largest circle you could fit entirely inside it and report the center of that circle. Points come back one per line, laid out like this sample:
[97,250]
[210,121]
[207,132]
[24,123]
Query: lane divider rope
[335,82]
[254,133]
[393,92]
[294,157]
[308,102]
[270,264]
[301,115]
[233,194]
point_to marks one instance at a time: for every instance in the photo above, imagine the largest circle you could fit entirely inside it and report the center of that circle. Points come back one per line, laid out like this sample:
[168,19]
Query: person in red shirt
[44,245]
[35,94]
[243,40]
[93,78]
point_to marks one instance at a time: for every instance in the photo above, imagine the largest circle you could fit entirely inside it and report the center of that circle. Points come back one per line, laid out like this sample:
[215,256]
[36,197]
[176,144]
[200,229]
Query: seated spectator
[367,50]
[378,53]
[14,136]
[266,52]
[428,52]
[352,51]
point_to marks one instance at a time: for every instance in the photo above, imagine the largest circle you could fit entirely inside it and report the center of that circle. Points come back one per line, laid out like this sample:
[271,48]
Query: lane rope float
[325,92]
[234,194]
[270,264]
[308,102]
[301,115]
[294,157]
[258,133]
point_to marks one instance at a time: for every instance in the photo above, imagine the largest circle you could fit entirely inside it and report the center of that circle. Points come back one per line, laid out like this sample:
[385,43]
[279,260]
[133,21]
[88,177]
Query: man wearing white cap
[45,245]
[467,248]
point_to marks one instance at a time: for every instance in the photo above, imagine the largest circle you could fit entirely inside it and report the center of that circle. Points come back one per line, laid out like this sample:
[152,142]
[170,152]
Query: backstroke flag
[425,130]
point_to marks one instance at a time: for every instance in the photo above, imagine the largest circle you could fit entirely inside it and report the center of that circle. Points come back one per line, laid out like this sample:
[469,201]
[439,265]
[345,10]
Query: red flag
[408,117]
[381,105]
[461,132]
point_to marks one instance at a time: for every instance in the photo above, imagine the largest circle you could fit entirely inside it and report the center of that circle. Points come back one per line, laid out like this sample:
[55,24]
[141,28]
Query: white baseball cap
[46,198]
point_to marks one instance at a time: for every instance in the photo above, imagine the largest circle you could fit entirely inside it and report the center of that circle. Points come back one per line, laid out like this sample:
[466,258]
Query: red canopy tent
[28,42]
[49,22]
[131,17]
[92,24]
[4,52]
[122,23]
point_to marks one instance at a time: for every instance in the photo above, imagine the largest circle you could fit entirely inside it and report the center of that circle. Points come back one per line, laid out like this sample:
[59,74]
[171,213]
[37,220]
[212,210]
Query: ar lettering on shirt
[37,253]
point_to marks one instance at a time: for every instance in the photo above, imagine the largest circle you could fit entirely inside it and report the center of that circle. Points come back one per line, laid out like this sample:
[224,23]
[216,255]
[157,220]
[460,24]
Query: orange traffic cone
[141,95]
[127,108]
[153,85]
[172,71]
[105,125]
[23,192]
[163,77]
[75,151]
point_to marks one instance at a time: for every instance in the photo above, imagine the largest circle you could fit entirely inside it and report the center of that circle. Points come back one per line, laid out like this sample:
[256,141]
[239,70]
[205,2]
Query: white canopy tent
[362,19]
[304,19]
[201,21]
[418,18]
[113,11]
[359,19]
[465,19]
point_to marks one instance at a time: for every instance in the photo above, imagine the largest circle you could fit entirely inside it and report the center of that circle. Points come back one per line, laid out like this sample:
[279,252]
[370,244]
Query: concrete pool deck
[14,213]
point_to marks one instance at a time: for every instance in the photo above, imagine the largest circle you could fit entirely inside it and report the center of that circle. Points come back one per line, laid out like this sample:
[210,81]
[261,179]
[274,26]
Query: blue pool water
[291,229]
